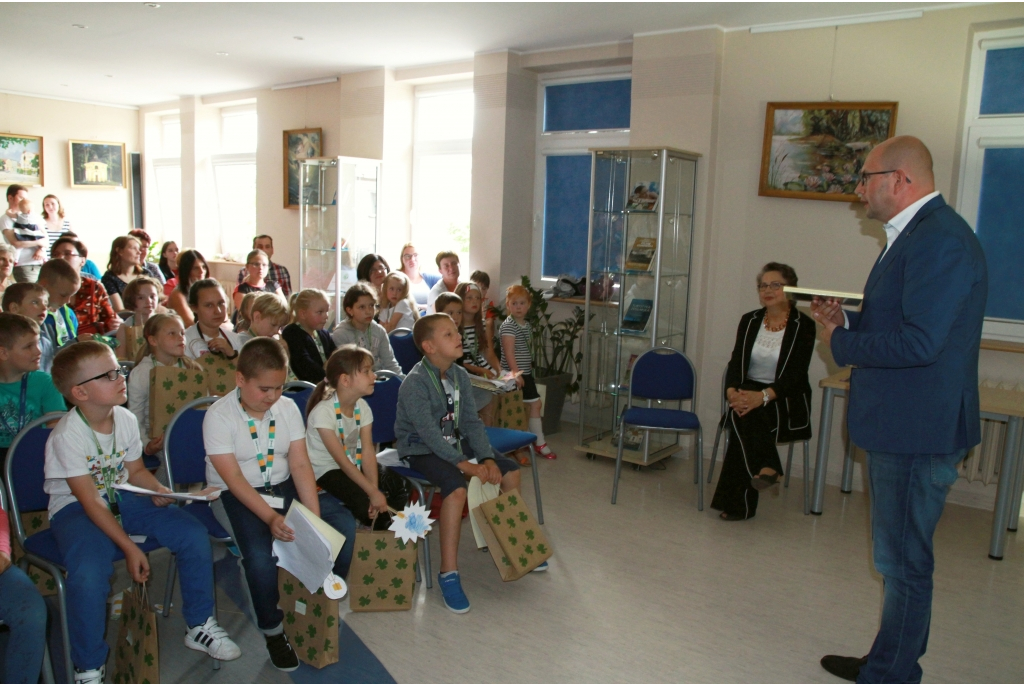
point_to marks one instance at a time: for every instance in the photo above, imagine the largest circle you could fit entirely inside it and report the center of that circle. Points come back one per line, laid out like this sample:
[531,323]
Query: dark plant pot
[554,400]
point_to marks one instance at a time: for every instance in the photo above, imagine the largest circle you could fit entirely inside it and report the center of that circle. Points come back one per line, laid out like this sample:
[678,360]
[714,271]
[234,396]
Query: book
[807,294]
[504,383]
[644,197]
[634,439]
[641,255]
[637,315]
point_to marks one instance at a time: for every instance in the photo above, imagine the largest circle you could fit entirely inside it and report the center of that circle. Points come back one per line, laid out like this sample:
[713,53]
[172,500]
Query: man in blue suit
[914,390]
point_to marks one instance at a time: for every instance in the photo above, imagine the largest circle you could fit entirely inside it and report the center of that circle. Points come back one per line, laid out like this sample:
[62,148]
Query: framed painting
[814,150]
[299,144]
[21,159]
[96,164]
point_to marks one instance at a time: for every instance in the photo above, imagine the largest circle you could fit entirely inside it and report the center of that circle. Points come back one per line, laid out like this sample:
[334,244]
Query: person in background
[28,236]
[448,263]
[169,263]
[419,283]
[275,272]
[61,282]
[54,222]
[257,267]
[91,304]
[360,304]
[15,194]
[122,268]
[142,297]
[400,310]
[483,281]
[373,268]
[193,265]
[451,304]
[151,269]
[89,267]
[8,257]
[309,345]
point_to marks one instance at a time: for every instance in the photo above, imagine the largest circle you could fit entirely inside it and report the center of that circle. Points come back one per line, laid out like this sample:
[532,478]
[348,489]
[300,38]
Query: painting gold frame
[814,151]
[313,138]
[8,178]
[78,176]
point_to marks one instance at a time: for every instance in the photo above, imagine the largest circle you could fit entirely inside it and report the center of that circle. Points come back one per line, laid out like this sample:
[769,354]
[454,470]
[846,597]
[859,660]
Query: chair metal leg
[847,484]
[700,470]
[47,671]
[714,450]
[426,544]
[698,467]
[618,462]
[807,477]
[789,466]
[62,606]
[536,485]
[172,571]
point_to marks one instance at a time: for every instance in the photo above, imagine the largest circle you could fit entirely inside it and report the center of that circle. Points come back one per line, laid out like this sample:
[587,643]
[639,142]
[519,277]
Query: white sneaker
[88,677]
[213,640]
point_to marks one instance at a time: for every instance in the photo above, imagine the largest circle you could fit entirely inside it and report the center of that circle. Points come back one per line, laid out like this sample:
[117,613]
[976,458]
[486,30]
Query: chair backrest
[406,353]
[384,405]
[23,473]
[662,373]
[126,364]
[299,392]
[184,450]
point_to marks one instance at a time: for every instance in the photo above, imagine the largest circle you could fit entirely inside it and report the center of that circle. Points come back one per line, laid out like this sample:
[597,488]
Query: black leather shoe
[845,667]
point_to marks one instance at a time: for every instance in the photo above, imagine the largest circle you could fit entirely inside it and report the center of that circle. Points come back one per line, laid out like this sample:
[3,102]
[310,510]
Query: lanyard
[180,364]
[107,476]
[341,434]
[319,346]
[22,409]
[266,464]
[61,326]
[203,338]
[453,405]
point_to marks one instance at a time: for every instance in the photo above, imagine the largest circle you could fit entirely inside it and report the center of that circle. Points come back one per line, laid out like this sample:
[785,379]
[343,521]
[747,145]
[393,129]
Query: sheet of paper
[207,495]
[308,556]
[389,457]
[332,537]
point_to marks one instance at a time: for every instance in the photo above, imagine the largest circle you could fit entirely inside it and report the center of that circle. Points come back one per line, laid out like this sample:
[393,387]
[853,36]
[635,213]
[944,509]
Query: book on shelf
[636,317]
[641,255]
[807,294]
[644,197]
[634,439]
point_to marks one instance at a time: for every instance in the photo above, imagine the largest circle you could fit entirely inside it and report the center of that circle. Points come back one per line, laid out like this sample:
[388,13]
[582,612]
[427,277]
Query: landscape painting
[298,145]
[21,159]
[96,164]
[814,150]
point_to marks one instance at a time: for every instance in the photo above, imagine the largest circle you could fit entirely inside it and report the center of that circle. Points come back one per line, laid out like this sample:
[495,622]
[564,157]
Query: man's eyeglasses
[774,286]
[109,375]
[865,176]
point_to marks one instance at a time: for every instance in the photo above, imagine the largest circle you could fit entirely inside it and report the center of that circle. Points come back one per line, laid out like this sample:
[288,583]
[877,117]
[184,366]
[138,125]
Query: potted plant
[556,361]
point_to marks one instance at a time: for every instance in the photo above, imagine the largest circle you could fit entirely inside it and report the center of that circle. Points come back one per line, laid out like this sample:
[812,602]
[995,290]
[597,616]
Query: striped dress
[509,327]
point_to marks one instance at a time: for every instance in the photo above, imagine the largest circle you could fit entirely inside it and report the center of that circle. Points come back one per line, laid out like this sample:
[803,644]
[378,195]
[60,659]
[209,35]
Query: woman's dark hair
[788,272]
[83,252]
[198,287]
[356,291]
[165,268]
[186,262]
[366,263]
[347,359]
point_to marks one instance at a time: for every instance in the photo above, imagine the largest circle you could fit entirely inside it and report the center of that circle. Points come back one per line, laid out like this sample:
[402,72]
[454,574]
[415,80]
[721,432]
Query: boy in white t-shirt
[93,448]
[256,448]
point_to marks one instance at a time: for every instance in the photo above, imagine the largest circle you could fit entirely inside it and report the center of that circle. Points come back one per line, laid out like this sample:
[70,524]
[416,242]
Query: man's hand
[38,255]
[162,501]
[5,562]
[279,530]
[378,503]
[138,564]
[827,309]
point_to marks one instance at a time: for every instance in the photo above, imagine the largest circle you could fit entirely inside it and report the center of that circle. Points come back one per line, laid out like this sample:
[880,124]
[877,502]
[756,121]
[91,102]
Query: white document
[310,556]
[389,457]
[208,495]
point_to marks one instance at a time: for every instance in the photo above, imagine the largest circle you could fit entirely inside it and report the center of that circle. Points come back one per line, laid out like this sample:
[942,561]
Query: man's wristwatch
[764,394]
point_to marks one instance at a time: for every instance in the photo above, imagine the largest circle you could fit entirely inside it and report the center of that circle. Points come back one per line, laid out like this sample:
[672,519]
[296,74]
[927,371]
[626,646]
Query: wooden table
[997,404]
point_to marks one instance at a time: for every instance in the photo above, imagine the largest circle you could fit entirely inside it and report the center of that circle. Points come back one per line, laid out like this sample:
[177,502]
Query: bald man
[913,391]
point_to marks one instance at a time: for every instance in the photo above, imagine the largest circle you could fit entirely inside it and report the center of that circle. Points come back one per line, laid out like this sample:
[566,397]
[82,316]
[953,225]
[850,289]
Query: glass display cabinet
[638,269]
[337,222]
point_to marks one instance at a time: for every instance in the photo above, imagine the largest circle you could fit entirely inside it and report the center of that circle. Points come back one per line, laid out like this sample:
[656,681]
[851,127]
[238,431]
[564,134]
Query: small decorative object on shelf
[638,271]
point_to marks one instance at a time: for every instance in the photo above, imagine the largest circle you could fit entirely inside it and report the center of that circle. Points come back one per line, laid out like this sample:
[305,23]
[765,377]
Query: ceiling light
[79,26]
[299,38]
[64,84]
[221,54]
[109,75]
[152,5]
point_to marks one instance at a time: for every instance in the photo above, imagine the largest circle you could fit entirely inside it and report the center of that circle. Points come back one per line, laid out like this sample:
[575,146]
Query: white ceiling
[132,54]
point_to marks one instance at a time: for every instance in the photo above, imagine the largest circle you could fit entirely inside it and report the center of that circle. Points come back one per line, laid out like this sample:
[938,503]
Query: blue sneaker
[540,569]
[451,590]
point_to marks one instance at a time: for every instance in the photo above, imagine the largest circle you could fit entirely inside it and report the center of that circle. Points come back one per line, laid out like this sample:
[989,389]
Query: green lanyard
[61,326]
[341,434]
[319,346]
[107,477]
[266,463]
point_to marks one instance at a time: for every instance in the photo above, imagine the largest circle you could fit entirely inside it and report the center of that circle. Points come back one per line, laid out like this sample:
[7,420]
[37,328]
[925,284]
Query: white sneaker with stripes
[213,640]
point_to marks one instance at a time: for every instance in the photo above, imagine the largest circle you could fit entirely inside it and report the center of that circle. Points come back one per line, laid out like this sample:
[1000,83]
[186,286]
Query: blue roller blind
[597,105]
[1001,231]
[566,215]
[1002,91]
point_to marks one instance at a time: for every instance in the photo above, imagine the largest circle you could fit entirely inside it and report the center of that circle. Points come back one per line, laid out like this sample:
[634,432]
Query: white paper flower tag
[411,523]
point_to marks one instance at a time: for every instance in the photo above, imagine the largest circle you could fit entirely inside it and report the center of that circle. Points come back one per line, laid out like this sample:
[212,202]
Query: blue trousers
[89,559]
[908,493]
[255,543]
[23,611]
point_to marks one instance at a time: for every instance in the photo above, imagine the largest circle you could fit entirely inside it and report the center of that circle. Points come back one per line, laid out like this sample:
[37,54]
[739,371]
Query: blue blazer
[915,341]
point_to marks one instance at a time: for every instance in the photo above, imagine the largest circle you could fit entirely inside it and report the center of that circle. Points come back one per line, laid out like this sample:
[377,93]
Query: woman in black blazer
[768,392]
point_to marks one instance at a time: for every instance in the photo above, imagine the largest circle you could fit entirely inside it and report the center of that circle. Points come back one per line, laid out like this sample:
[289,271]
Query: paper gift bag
[33,522]
[477,493]
[133,342]
[171,388]
[382,576]
[220,374]
[137,653]
[510,412]
[515,541]
[310,620]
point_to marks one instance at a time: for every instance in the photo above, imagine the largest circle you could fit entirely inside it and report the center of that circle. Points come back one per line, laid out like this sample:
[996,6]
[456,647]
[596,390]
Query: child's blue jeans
[255,543]
[89,559]
[23,611]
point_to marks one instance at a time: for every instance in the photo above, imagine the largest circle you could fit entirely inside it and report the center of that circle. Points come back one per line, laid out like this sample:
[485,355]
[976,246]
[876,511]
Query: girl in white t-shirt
[401,310]
[208,335]
[142,296]
[339,439]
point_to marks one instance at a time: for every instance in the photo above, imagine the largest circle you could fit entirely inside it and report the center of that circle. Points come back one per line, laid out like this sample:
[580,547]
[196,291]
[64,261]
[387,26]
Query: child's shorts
[530,393]
[446,475]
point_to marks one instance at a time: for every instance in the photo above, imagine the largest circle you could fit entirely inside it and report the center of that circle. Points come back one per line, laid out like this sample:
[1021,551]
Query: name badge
[273,502]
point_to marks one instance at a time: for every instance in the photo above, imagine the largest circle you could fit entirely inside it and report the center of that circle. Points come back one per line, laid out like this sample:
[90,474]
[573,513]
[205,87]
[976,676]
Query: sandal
[726,516]
[763,482]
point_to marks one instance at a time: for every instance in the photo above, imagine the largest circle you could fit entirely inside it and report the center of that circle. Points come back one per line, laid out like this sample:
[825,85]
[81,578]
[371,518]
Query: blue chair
[24,478]
[299,392]
[507,440]
[384,405]
[406,353]
[667,375]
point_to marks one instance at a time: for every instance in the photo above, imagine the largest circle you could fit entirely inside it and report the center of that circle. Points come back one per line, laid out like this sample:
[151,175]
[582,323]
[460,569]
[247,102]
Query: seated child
[208,334]
[93,448]
[241,315]
[266,315]
[438,434]
[515,357]
[451,304]
[142,296]
[339,439]
[164,345]
[28,235]
[241,431]
[26,393]
[61,281]
[401,310]
[23,611]
[360,305]
[309,345]
[31,300]
[477,358]
[483,281]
